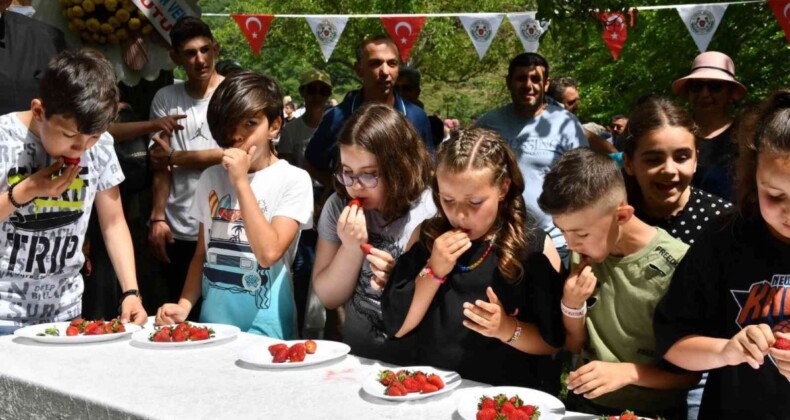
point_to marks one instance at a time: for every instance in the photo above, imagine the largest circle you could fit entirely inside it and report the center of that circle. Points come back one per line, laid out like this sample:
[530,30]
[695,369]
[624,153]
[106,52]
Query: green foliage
[659,49]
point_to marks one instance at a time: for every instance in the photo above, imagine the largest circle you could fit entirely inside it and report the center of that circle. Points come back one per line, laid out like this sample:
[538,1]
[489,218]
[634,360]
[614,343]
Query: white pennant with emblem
[327,31]
[702,22]
[528,29]
[481,29]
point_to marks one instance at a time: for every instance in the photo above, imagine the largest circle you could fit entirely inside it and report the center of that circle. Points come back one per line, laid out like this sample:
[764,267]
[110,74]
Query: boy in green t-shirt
[621,267]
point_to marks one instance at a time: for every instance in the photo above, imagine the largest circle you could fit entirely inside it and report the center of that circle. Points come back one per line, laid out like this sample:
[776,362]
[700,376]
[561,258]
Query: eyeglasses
[320,90]
[366,180]
[696,86]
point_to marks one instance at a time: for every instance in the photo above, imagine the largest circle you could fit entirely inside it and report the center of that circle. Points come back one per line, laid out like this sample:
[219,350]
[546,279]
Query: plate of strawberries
[185,334]
[507,402]
[279,354]
[410,383]
[77,331]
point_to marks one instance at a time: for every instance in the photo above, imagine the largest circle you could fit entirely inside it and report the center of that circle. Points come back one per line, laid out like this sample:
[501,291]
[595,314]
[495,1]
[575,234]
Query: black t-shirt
[729,279]
[26,46]
[444,342]
[702,212]
[715,165]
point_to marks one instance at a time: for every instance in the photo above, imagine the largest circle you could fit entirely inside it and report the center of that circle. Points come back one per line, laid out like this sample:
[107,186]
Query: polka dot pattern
[702,210]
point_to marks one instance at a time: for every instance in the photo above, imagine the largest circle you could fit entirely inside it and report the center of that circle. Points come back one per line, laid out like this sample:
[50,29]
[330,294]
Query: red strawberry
[518,415]
[184,326]
[296,353]
[77,322]
[355,202]
[420,378]
[108,329]
[436,381]
[162,336]
[487,414]
[394,391]
[507,408]
[486,402]
[281,356]
[529,409]
[117,326]
[628,415]
[427,388]
[198,334]
[179,335]
[386,377]
[366,248]
[399,385]
[782,343]
[411,384]
[72,330]
[94,328]
[71,161]
[276,348]
[310,347]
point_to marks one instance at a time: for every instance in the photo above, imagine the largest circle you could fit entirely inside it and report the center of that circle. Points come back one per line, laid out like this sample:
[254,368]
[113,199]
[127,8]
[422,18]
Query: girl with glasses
[385,168]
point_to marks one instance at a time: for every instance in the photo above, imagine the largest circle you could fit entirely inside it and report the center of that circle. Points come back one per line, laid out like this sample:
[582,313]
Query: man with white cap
[710,88]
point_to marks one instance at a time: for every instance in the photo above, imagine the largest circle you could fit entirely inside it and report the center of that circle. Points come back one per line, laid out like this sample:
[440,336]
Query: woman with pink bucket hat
[710,88]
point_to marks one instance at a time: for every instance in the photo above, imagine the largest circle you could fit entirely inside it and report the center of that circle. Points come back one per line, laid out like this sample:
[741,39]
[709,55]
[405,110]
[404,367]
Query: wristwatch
[131,292]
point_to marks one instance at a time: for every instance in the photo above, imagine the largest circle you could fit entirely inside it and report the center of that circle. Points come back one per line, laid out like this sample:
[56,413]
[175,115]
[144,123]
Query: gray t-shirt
[363,328]
[41,253]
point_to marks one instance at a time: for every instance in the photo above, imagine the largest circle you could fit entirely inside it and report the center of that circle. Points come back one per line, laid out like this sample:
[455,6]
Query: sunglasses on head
[318,89]
[366,180]
[696,86]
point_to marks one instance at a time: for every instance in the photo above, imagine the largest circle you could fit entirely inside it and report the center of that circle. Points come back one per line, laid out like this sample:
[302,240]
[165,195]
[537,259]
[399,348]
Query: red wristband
[426,271]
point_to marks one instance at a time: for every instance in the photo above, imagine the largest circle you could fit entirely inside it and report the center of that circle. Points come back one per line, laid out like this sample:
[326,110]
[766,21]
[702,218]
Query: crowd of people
[653,252]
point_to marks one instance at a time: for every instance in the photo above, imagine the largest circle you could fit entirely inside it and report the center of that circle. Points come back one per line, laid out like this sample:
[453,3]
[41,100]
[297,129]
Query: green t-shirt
[620,317]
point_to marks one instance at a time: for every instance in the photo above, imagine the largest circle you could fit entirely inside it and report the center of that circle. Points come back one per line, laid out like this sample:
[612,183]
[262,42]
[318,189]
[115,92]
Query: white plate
[222,332]
[550,407]
[372,386]
[325,351]
[31,331]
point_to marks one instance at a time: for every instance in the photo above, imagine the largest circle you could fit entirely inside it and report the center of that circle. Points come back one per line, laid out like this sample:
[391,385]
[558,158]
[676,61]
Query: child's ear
[624,213]
[274,127]
[37,107]
[504,188]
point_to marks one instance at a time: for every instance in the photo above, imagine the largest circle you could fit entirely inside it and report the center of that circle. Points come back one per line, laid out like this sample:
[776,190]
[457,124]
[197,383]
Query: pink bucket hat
[711,65]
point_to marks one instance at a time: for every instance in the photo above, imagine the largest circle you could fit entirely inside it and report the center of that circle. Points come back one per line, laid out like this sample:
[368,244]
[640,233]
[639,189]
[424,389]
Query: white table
[120,380]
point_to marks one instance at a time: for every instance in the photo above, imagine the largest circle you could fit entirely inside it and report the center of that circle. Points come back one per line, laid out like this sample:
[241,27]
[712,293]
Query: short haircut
[618,117]
[580,179]
[528,60]
[558,86]
[80,85]
[188,28]
[242,95]
[410,73]
[291,105]
[376,39]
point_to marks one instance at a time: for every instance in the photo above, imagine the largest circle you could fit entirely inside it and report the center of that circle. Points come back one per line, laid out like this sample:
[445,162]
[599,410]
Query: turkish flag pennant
[404,31]
[615,31]
[781,9]
[255,28]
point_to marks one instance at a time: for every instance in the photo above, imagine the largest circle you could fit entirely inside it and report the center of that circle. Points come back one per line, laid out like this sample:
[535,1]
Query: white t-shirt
[174,100]
[41,252]
[294,139]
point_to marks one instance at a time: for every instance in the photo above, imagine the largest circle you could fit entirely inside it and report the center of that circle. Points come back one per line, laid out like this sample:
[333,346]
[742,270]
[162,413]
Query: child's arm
[119,246]
[700,353]
[123,131]
[40,184]
[173,313]
[159,233]
[579,286]
[597,378]
[490,320]
[162,155]
[446,250]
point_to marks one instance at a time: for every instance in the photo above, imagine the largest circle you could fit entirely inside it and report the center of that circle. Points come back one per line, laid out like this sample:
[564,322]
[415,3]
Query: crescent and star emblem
[406,25]
[255,20]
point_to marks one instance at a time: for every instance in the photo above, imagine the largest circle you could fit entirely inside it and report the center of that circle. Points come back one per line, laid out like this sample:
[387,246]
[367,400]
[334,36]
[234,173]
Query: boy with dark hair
[621,267]
[57,162]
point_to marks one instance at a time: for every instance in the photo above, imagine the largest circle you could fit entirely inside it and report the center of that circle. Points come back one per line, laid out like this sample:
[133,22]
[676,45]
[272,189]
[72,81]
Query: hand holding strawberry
[352,228]
[447,248]
[489,318]
[46,182]
[781,353]
[579,286]
[750,346]
[598,378]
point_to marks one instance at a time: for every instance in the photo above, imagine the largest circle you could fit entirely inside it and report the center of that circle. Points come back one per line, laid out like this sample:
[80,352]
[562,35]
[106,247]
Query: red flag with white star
[255,28]
[615,31]
[781,9]
[404,31]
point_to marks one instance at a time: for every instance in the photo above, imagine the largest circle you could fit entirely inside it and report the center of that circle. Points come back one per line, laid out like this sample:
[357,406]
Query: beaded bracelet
[428,272]
[11,197]
[516,335]
[574,313]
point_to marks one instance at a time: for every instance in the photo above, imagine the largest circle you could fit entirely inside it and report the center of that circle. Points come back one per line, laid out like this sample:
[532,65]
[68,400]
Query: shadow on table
[29,342]
[289,367]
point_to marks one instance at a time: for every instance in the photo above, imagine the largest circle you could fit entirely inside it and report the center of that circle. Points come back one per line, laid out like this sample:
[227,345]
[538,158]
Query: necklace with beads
[468,268]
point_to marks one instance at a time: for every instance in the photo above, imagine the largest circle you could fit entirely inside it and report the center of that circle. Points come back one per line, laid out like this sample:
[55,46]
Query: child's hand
[352,229]
[45,183]
[237,163]
[579,286]
[446,249]
[489,318]
[782,357]
[597,378]
[750,346]
[132,310]
[159,235]
[381,263]
[170,313]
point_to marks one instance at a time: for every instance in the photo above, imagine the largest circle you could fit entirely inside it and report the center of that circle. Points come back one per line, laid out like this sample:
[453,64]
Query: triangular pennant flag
[528,29]
[702,22]
[615,31]
[327,31]
[255,28]
[481,29]
[404,31]
[781,9]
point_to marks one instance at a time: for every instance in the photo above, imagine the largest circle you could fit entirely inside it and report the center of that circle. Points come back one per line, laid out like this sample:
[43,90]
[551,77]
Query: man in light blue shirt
[538,130]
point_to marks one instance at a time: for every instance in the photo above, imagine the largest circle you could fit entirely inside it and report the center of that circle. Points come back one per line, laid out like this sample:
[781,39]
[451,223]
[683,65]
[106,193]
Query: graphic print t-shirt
[236,289]
[730,279]
[42,241]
